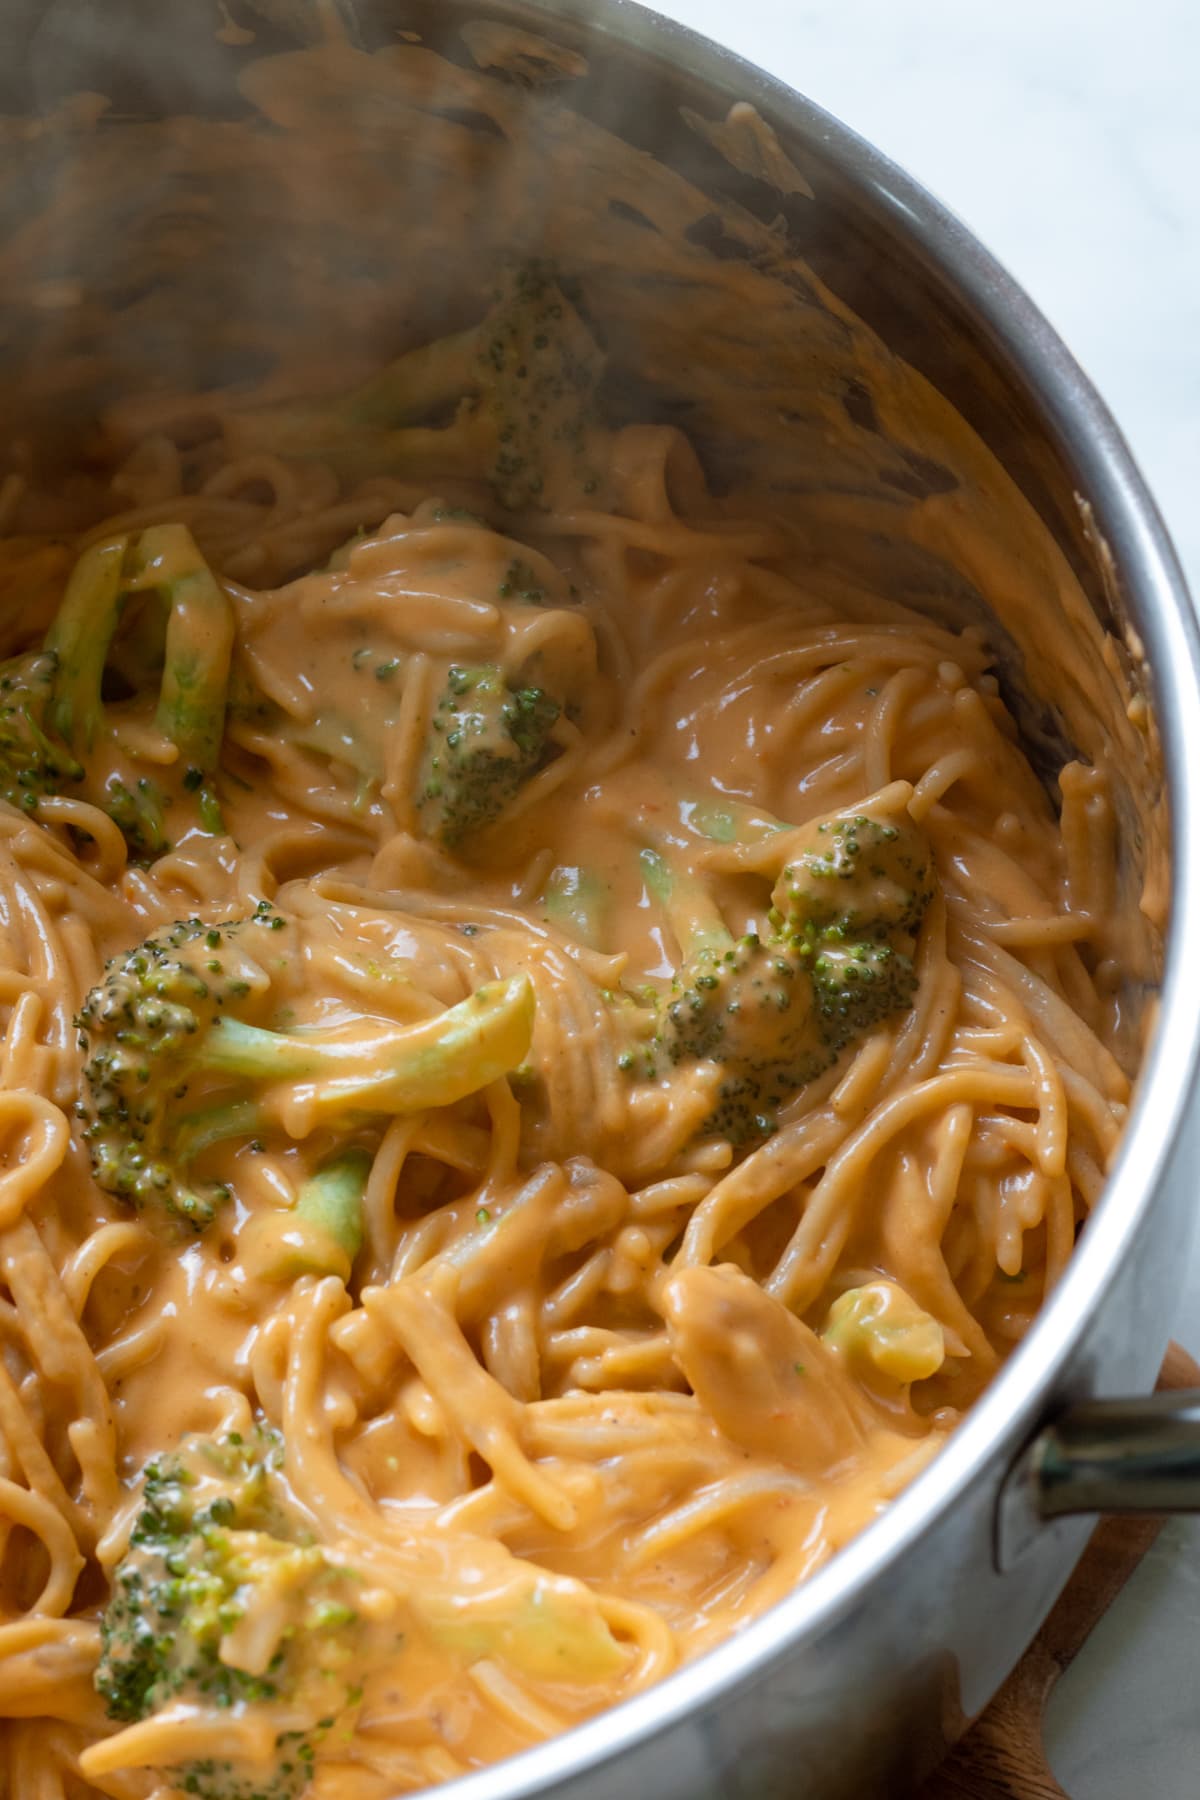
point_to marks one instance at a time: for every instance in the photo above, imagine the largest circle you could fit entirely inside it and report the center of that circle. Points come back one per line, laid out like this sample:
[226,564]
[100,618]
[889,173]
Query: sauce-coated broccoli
[486,740]
[222,1603]
[776,1011]
[53,718]
[176,1062]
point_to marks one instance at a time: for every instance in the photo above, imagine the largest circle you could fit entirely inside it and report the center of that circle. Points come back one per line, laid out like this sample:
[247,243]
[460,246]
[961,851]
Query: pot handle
[1003,1755]
[1121,1456]
[1104,1456]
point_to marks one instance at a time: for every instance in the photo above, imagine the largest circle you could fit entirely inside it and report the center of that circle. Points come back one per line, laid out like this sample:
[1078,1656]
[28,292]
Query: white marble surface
[1067,134]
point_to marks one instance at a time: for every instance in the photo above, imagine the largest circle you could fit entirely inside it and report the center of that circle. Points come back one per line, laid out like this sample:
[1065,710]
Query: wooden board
[1003,1756]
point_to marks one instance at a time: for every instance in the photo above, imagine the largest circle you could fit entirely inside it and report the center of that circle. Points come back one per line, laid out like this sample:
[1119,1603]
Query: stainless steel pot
[853,1685]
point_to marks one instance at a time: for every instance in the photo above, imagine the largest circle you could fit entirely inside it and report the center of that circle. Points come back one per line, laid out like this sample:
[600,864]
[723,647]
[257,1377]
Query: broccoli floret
[174,1065]
[858,874]
[32,762]
[776,1011]
[486,740]
[522,383]
[856,983]
[222,1602]
[723,1002]
[52,712]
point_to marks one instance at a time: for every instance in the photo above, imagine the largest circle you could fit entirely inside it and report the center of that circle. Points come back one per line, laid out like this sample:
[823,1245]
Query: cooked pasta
[722,1026]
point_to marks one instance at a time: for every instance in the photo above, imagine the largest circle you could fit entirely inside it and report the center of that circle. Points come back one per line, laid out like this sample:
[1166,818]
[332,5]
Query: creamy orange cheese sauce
[600,1382]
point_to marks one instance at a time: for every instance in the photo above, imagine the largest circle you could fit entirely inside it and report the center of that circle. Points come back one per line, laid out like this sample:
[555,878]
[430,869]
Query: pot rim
[1150,574]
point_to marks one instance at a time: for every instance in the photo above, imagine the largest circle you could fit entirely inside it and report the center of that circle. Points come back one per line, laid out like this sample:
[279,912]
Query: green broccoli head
[738,1004]
[221,1601]
[858,983]
[33,763]
[749,1007]
[863,874]
[486,739]
[539,369]
[776,1011]
[180,1055]
[144,1032]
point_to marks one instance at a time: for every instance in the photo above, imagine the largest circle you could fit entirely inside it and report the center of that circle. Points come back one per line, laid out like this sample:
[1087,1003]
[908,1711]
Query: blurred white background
[1066,133]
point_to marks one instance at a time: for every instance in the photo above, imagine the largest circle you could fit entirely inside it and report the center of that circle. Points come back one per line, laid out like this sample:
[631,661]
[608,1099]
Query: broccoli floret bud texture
[486,740]
[776,1011]
[221,1603]
[143,1031]
[860,874]
[33,764]
[750,1008]
[539,369]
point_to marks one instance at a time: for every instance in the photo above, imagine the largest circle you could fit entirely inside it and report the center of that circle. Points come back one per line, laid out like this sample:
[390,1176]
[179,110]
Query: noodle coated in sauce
[747,1082]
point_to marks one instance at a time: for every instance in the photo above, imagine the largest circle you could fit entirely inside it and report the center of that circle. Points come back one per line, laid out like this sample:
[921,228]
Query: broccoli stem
[578,901]
[421,381]
[199,642]
[331,1201]
[196,643]
[725,821]
[216,1125]
[392,1070]
[357,432]
[79,639]
[692,912]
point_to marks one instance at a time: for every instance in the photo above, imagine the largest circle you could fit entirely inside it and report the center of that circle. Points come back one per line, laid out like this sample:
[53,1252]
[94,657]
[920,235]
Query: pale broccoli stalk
[522,383]
[486,740]
[330,1206]
[692,913]
[197,653]
[578,902]
[196,639]
[222,1605]
[776,1011]
[727,821]
[79,638]
[173,1067]
[882,1333]
[320,1234]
